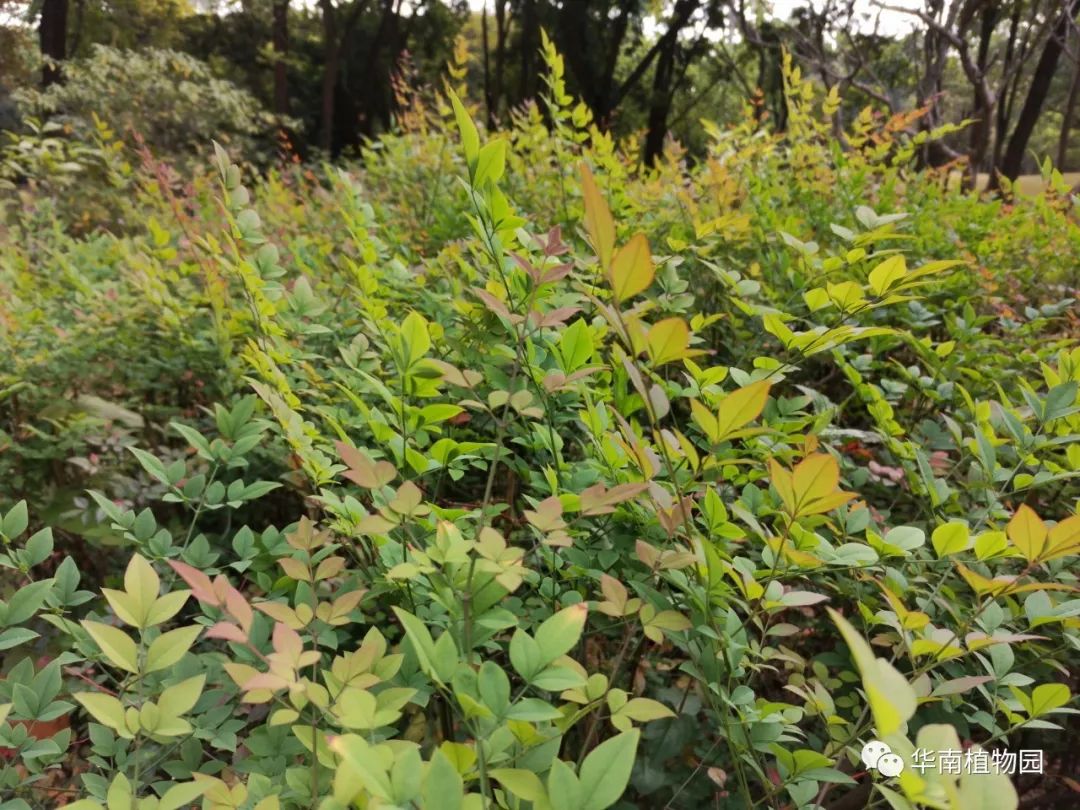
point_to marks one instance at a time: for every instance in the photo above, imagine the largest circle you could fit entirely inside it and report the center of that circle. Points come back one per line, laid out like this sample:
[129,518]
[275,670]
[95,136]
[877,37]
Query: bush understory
[496,470]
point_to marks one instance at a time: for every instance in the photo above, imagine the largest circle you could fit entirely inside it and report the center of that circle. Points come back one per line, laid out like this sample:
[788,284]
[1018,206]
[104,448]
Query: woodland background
[329,68]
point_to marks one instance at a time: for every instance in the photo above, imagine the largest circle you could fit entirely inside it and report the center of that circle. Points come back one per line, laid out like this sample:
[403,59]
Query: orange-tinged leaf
[632,268]
[741,407]
[811,488]
[598,222]
[362,470]
[782,482]
[1063,539]
[668,340]
[815,477]
[1028,532]
[981,584]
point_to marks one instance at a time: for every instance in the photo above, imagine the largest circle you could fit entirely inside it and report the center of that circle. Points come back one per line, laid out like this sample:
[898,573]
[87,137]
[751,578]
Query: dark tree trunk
[497,80]
[52,37]
[280,36]
[373,110]
[983,101]
[1067,118]
[663,82]
[335,34]
[1041,80]
[607,87]
[489,102]
[530,41]
[331,65]
[1007,90]
[660,103]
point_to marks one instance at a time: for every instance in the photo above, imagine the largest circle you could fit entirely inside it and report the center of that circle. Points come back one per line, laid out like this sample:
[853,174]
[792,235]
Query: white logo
[878,756]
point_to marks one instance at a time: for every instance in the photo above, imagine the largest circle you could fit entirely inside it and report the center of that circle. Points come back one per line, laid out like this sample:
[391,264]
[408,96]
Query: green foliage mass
[498,471]
[167,99]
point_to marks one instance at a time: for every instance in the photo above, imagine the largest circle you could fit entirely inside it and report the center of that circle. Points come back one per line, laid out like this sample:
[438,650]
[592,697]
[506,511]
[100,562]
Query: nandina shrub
[605,487]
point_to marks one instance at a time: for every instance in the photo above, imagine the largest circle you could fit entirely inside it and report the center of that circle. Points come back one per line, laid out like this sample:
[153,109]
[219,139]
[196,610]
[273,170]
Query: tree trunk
[335,34]
[501,26]
[1067,119]
[1006,90]
[611,60]
[1037,92]
[529,44]
[280,36]
[489,103]
[983,102]
[329,88]
[52,37]
[663,82]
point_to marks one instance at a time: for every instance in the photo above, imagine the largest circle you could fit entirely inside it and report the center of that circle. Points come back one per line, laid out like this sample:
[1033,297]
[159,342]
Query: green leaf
[470,138]
[184,794]
[14,636]
[525,655]
[606,771]
[560,633]
[490,163]
[39,547]
[524,784]
[443,787]
[533,710]
[120,795]
[420,639]
[575,345]
[563,787]
[950,538]
[26,601]
[365,765]
[414,331]
[15,521]
[116,644]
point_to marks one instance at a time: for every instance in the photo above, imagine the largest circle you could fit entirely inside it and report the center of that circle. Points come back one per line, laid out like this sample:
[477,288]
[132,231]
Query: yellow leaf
[741,407]
[632,268]
[892,699]
[142,584]
[115,643]
[598,222]
[668,340]
[705,420]
[168,648]
[981,584]
[1028,532]
[782,483]
[123,606]
[887,274]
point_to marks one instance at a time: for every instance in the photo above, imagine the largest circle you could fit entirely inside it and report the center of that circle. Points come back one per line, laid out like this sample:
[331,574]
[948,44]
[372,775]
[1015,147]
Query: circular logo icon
[872,753]
[890,765]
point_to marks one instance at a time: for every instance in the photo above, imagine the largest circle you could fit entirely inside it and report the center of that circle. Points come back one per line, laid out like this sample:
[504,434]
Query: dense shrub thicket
[499,471]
